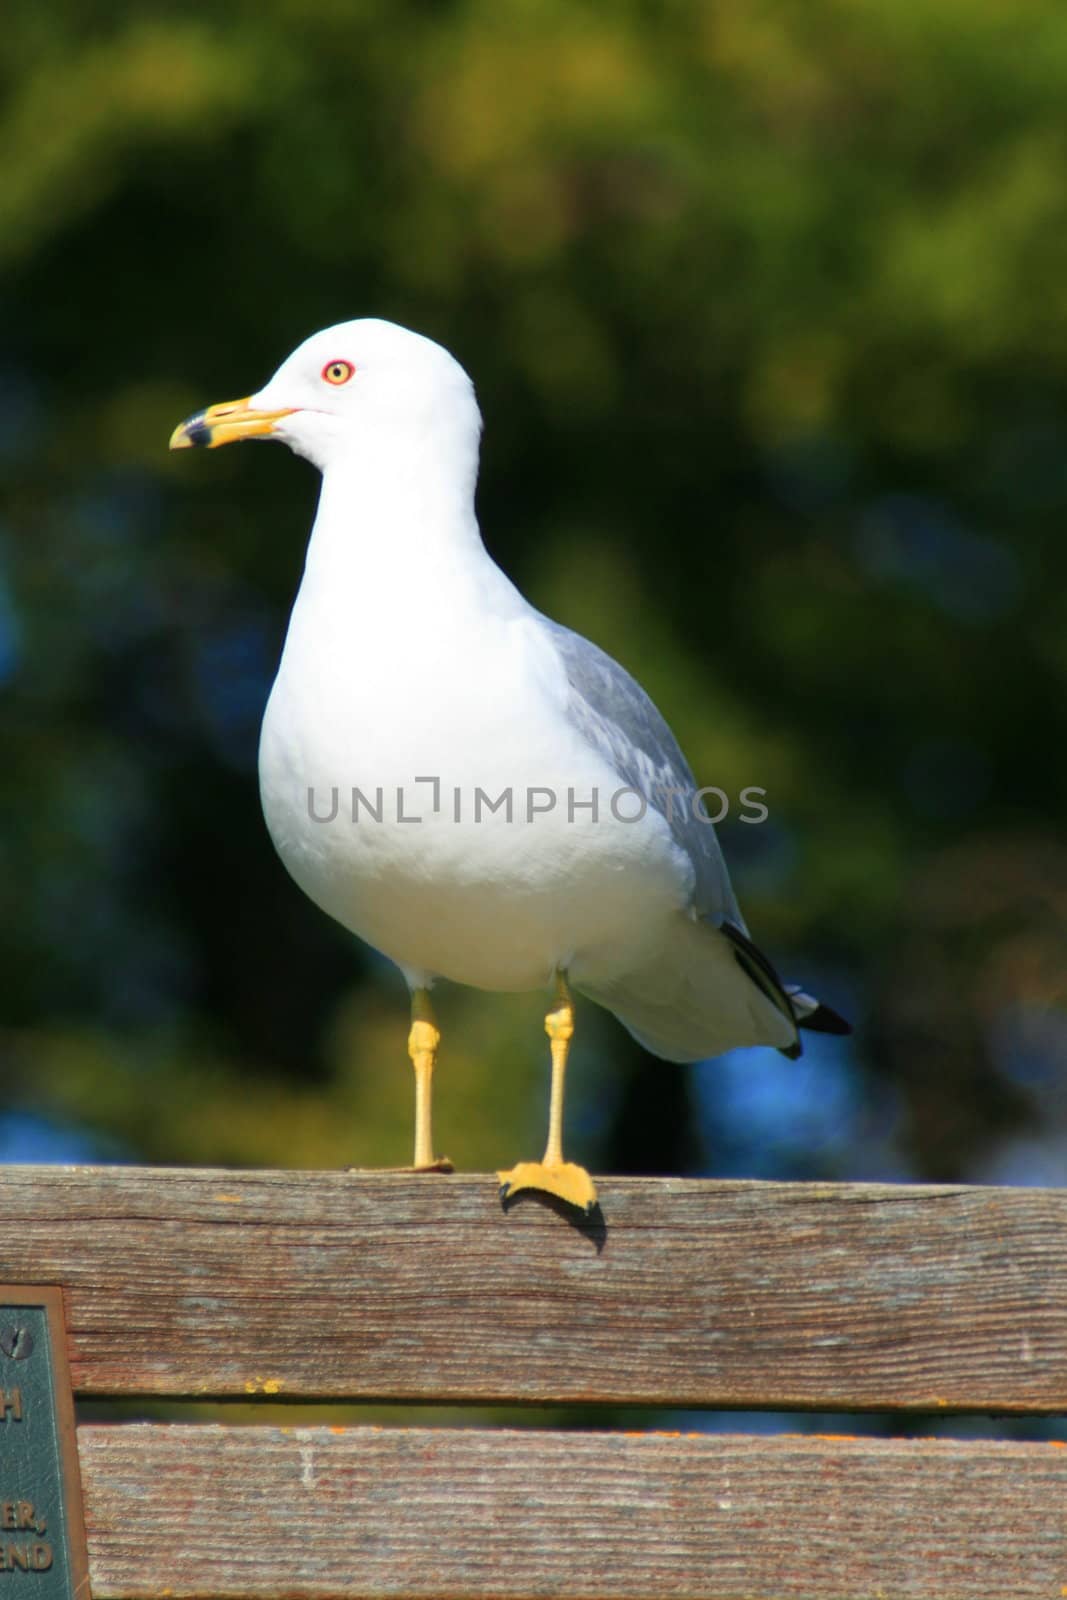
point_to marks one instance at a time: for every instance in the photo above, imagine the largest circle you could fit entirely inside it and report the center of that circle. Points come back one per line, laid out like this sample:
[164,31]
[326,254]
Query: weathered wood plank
[385,1285]
[192,1512]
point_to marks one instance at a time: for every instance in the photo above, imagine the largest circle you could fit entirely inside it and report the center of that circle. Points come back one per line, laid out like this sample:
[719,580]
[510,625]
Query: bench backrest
[310,1287]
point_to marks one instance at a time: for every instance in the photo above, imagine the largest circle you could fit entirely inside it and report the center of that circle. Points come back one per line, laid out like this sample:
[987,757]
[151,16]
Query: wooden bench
[327,1287]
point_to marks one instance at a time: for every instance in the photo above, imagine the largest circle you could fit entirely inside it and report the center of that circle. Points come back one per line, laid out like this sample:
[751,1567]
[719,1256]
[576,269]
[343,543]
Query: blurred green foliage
[765,304]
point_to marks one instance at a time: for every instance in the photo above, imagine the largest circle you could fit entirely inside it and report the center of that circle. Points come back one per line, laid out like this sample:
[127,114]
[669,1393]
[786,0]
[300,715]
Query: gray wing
[614,714]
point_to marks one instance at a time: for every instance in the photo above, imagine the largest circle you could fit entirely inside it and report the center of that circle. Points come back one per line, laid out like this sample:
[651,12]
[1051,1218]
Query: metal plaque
[42,1531]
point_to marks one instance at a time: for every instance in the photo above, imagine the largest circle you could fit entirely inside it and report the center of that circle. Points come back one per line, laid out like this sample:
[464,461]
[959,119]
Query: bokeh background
[766,305]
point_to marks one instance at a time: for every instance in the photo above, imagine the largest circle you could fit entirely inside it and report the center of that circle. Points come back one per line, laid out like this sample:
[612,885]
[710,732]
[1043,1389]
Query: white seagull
[479,793]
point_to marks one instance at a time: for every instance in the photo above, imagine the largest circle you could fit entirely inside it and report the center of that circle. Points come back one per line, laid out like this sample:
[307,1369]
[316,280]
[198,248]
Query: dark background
[766,308]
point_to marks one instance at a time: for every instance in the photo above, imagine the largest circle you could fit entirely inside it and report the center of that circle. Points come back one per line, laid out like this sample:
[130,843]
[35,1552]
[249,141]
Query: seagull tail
[707,989]
[698,995]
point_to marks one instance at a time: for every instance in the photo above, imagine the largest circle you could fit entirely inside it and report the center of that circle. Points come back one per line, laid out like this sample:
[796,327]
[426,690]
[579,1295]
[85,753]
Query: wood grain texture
[387,1285]
[192,1512]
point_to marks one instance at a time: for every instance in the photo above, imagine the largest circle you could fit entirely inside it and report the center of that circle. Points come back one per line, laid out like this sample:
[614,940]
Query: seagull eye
[338,371]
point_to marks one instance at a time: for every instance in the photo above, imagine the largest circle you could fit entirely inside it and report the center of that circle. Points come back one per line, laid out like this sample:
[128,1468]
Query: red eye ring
[337,372]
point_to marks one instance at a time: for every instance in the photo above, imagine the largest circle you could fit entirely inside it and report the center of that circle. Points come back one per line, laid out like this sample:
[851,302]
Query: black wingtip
[788,997]
[824,1019]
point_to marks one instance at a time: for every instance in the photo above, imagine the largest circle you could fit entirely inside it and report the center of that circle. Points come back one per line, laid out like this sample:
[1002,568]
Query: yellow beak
[222,424]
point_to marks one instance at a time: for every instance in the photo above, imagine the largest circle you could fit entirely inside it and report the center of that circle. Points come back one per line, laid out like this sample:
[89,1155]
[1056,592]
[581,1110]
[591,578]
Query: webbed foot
[564,1179]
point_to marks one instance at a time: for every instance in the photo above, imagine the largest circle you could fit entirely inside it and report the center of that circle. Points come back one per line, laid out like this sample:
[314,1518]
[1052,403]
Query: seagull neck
[410,499]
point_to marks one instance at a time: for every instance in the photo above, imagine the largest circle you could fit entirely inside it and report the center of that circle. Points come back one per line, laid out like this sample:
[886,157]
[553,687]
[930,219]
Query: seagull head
[351,387]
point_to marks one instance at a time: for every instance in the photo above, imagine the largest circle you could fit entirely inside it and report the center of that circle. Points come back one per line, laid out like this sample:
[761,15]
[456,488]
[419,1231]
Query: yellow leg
[423,1040]
[552,1174]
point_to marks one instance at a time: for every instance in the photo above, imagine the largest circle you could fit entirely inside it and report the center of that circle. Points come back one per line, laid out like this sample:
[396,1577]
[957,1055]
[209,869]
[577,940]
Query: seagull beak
[222,424]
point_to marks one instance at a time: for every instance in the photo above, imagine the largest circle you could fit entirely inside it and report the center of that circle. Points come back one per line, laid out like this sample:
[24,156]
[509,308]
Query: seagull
[473,789]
